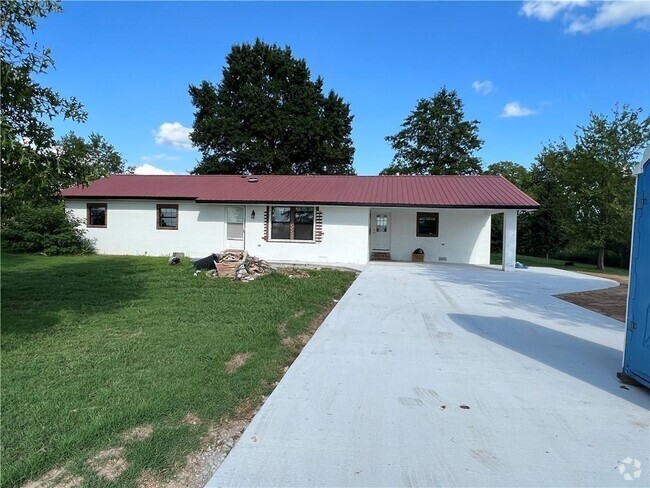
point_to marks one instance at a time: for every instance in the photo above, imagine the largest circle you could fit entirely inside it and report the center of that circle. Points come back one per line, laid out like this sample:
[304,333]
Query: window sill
[166,228]
[293,241]
[96,226]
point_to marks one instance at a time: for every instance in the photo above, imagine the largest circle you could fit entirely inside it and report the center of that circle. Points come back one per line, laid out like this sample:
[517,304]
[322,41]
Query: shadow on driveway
[524,290]
[587,361]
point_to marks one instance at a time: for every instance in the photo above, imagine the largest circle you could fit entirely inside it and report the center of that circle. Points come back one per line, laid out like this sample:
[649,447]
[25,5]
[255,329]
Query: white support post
[509,240]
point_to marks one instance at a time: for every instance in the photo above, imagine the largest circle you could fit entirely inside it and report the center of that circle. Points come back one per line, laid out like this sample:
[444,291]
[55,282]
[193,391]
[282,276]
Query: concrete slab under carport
[376,397]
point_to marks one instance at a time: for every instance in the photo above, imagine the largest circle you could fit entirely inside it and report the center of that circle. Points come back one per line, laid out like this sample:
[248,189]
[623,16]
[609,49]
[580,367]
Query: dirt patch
[295,343]
[610,301]
[109,464]
[217,443]
[237,361]
[191,419]
[247,409]
[141,433]
[56,478]
[318,319]
[293,272]
[282,329]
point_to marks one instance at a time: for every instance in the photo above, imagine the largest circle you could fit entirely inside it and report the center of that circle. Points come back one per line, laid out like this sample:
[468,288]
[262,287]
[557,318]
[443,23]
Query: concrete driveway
[446,375]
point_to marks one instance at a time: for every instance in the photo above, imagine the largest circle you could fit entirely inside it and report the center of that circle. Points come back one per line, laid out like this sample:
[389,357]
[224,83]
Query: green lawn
[558,263]
[94,346]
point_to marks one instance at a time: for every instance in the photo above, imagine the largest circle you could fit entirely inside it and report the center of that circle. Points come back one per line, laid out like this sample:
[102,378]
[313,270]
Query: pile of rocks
[240,266]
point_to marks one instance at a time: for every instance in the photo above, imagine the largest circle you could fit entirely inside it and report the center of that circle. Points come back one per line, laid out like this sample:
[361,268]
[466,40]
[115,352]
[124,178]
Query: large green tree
[435,139]
[545,231]
[599,180]
[513,172]
[35,165]
[268,116]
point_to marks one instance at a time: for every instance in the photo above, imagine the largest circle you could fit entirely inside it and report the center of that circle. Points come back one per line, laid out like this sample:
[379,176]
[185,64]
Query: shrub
[48,229]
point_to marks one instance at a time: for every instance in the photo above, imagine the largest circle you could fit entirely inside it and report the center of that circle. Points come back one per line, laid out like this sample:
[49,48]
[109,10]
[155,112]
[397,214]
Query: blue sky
[529,72]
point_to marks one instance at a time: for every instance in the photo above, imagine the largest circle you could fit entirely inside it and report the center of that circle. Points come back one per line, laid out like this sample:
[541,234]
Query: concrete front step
[380,256]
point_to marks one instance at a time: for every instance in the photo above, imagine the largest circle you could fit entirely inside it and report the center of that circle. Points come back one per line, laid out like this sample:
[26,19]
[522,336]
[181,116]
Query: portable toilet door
[636,358]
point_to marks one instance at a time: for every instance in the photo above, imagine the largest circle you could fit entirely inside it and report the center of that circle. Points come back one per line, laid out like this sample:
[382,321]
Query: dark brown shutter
[266,223]
[319,225]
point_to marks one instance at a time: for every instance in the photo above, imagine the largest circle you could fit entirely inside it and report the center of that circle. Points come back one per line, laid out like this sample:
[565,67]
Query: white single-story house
[302,218]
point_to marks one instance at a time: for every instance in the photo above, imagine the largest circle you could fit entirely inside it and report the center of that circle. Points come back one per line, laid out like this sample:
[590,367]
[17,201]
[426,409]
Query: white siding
[463,235]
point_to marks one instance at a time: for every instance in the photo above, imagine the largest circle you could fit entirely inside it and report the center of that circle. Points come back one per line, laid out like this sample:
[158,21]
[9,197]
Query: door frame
[373,219]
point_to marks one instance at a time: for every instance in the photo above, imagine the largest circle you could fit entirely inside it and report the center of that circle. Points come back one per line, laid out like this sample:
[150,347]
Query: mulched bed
[610,301]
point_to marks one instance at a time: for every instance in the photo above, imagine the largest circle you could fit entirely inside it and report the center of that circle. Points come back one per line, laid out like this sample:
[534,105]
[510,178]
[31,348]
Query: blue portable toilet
[636,358]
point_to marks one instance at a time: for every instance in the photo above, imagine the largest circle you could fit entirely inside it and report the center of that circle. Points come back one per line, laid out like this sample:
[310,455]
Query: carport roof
[485,191]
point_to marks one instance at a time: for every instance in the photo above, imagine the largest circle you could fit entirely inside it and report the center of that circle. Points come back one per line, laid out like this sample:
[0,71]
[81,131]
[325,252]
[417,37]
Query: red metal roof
[405,191]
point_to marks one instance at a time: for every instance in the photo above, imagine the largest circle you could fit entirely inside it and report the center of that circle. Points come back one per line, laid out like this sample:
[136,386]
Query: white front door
[235,219]
[379,230]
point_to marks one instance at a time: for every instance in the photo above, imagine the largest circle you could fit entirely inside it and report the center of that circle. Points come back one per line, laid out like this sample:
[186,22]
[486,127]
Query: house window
[96,215]
[382,223]
[292,223]
[427,224]
[280,222]
[167,217]
[303,228]
[235,223]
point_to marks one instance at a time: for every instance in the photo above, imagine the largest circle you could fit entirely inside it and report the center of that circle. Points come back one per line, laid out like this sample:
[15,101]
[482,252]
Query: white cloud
[549,9]
[514,109]
[483,87]
[611,14]
[174,134]
[584,16]
[148,169]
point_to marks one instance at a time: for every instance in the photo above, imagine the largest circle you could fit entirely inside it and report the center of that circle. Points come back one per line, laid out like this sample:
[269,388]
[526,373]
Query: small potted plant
[418,256]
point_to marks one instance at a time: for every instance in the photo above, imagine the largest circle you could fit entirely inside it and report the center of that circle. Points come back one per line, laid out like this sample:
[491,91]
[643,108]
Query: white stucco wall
[131,228]
[345,238]
[463,235]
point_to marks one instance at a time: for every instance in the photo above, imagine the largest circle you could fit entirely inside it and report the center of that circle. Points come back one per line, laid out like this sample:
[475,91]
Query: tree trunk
[547,256]
[601,258]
